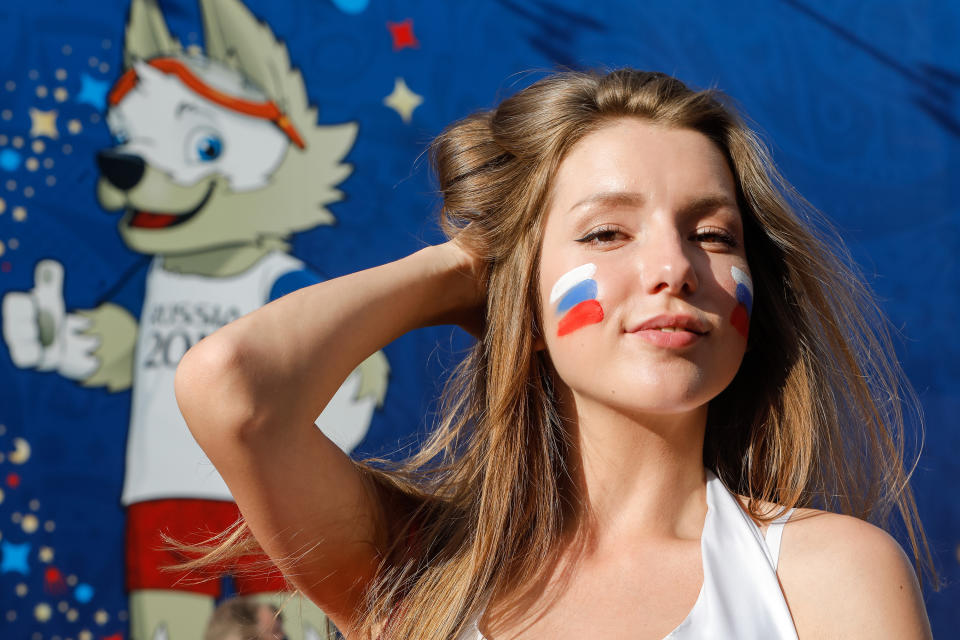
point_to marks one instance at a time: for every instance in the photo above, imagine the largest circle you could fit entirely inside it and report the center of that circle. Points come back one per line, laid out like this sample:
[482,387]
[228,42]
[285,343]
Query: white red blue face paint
[740,318]
[578,307]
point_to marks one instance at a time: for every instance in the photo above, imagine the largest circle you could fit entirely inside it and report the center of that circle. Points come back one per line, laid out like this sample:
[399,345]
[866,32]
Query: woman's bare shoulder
[842,576]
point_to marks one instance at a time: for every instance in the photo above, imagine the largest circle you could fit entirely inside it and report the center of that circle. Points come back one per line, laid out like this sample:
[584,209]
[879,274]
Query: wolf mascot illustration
[218,161]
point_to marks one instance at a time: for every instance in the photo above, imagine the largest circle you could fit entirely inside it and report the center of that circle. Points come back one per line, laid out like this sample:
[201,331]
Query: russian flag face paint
[740,318]
[576,291]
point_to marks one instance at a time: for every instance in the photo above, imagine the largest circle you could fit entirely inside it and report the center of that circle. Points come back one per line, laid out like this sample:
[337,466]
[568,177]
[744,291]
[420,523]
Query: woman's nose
[666,266]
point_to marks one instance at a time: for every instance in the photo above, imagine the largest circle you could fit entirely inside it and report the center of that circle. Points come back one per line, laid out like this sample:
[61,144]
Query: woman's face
[644,283]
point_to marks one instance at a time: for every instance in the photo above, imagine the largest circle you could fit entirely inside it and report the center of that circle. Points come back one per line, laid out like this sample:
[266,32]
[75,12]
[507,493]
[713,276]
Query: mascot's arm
[116,329]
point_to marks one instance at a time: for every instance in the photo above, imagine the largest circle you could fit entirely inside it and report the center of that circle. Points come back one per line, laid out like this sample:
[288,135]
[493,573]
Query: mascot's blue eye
[209,148]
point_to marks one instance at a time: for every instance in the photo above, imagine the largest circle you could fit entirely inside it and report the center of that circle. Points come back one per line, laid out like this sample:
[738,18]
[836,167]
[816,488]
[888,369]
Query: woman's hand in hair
[466,272]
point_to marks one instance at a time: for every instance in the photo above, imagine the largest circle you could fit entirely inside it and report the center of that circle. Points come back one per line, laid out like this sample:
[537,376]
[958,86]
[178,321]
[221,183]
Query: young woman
[681,412]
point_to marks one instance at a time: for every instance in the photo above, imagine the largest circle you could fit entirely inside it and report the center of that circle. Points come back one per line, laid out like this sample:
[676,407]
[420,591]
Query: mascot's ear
[147,35]
[145,72]
[234,37]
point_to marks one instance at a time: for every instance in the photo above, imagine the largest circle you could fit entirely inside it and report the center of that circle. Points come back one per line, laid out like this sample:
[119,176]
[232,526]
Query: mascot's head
[215,150]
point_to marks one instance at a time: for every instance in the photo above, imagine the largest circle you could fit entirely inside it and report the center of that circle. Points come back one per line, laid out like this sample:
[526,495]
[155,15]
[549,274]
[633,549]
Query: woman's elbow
[210,392]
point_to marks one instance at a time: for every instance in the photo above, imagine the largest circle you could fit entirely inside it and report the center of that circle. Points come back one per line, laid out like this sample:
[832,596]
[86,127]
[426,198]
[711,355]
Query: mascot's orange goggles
[266,110]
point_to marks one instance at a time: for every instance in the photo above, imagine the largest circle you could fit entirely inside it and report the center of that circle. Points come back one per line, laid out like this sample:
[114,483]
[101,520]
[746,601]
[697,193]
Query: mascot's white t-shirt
[163,459]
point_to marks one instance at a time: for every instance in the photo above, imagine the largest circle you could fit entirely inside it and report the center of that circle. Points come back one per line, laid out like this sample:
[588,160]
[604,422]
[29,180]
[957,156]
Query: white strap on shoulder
[774,533]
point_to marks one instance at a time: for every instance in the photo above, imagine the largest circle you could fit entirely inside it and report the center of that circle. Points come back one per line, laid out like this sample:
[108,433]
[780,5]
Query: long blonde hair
[814,418]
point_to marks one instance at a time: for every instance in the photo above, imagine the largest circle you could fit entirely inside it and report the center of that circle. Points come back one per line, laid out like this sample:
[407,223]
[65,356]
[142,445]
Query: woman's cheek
[573,300]
[740,318]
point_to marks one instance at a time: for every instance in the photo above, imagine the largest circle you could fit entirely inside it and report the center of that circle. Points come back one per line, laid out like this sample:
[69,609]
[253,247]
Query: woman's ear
[539,344]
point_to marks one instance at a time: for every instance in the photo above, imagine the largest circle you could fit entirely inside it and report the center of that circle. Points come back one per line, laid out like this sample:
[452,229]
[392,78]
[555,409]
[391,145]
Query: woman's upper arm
[304,500]
[846,578]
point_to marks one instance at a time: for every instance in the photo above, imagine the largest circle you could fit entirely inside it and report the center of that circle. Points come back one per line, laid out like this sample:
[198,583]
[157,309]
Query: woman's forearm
[282,363]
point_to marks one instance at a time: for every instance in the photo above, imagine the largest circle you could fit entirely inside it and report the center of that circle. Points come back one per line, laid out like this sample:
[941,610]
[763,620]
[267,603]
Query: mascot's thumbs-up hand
[40,334]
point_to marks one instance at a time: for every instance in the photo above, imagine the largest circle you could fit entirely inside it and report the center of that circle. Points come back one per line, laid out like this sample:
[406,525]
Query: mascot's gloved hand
[41,335]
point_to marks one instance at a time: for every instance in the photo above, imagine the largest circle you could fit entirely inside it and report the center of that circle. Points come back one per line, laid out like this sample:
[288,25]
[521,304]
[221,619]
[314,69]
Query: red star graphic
[402,34]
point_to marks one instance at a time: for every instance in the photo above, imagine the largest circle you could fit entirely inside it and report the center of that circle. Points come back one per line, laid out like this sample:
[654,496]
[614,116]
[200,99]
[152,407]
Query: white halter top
[741,596]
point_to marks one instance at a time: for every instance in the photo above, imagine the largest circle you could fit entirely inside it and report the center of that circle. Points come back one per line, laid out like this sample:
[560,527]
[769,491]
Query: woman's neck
[636,476]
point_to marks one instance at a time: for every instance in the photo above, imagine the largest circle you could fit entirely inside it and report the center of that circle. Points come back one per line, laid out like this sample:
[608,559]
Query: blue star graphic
[15,557]
[93,92]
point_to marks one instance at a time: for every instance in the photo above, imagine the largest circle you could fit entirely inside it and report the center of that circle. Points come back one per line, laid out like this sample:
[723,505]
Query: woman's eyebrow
[612,198]
[707,204]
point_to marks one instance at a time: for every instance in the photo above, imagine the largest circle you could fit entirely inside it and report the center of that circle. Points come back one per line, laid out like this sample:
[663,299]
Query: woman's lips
[669,339]
[671,331]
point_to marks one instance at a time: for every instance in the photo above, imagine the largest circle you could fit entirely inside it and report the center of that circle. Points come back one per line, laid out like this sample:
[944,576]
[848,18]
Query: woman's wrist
[458,278]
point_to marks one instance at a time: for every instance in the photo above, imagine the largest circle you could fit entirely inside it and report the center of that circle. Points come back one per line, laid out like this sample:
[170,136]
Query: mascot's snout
[122,170]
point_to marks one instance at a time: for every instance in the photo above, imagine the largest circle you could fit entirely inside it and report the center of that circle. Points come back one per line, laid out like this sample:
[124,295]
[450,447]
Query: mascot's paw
[33,320]
[21,330]
[40,333]
[346,418]
[374,374]
[116,331]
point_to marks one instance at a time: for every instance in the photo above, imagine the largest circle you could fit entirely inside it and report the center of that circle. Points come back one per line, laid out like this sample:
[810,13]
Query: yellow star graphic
[403,100]
[43,123]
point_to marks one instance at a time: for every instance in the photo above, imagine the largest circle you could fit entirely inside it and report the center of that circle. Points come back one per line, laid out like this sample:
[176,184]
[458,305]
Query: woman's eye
[715,235]
[602,235]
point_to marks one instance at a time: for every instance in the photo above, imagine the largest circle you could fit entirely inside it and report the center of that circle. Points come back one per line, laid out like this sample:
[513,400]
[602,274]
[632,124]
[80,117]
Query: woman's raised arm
[250,393]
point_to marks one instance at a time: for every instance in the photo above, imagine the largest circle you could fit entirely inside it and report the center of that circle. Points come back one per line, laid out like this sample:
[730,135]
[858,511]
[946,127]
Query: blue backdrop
[861,103]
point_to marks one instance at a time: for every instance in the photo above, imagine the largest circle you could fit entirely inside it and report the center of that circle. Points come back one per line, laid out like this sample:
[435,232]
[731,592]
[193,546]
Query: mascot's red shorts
[188,521]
